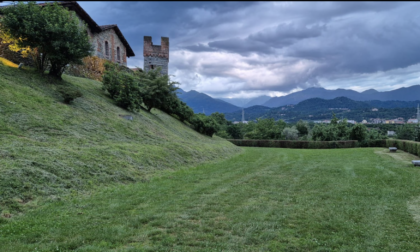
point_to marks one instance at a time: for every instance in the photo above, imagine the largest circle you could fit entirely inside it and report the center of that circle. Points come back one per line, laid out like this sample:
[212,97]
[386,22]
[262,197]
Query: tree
[358,132]
[234,130]
[290,133]
[204,124]
[406,132]
[302,128]
[156,88]
[52,33]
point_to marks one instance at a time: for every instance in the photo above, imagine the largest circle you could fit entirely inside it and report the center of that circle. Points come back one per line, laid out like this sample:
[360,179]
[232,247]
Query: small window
[118,54]
[106,48]
[152,67]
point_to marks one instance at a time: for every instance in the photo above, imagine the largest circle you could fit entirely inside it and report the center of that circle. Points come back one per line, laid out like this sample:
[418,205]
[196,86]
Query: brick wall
[156,56]
[113,42]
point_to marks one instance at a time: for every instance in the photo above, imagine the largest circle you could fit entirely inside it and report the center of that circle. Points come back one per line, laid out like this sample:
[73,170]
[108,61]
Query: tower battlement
[156,55]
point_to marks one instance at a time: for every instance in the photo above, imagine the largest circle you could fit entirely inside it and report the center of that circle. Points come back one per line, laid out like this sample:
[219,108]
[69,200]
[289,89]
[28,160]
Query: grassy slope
[265,199]
[50,148]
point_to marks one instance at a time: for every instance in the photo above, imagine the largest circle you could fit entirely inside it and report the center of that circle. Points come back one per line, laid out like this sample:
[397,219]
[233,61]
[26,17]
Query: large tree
[53,33]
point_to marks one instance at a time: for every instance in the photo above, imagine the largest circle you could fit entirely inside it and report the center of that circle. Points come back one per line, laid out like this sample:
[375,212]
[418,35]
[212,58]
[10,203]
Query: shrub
[69,93]
[204,124]
[92,67]
[123,87]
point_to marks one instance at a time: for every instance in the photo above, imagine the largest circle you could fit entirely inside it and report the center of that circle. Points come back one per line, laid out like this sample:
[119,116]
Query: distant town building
[412,121]
[374,109]
[364,122]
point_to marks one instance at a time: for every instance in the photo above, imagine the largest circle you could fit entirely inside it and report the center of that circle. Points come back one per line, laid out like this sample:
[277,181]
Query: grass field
[264,199]
[51,149]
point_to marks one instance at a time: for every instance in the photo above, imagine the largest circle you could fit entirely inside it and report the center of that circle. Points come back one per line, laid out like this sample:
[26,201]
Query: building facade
[156,55]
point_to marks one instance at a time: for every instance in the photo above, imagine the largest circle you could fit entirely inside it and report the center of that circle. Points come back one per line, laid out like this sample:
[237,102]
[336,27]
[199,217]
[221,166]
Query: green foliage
[290,133]
[69,93]
[157,89]
[406,132]
[265,129]
[358,132]
[52,32]
[123,87]
[302,128]
[234,130]
[204,124]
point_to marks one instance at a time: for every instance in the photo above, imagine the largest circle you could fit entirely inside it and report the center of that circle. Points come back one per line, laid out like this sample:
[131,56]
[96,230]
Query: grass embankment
[264,199]
[49,148]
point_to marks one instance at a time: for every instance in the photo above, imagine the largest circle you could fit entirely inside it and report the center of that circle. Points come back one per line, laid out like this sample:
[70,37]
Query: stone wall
[114,41]
[156,56]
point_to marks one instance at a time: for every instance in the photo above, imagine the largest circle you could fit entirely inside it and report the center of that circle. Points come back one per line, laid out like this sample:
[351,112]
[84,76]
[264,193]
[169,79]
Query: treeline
[337,130]
[135,90]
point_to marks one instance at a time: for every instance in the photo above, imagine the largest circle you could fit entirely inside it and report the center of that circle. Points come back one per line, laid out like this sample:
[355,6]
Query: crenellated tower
[156,55]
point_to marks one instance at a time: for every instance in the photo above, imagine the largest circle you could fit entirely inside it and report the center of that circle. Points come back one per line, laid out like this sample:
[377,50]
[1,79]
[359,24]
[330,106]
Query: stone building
[156,55]
[107,40]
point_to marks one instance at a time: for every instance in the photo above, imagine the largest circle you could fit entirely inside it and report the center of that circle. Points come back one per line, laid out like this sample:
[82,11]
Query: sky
[248,49]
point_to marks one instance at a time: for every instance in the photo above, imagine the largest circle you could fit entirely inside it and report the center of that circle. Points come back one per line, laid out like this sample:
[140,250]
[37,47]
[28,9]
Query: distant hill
[260,100]
[200,102]
[251,113]
[318,108]
[401,94]
[318,104]
[247,102]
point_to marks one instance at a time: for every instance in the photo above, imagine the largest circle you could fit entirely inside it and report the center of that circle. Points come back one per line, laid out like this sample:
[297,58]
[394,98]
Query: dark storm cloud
[200,48]
[267,40]
[272,46]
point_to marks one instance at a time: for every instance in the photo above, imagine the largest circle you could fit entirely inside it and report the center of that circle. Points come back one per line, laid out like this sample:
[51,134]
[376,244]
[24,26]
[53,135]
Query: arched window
[118,54]
[106,48]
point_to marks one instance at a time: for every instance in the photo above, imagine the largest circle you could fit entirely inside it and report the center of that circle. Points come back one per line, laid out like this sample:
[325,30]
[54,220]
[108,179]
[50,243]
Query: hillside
[49,148]
[401,94]
[200,101]
[320,109]
[247,102]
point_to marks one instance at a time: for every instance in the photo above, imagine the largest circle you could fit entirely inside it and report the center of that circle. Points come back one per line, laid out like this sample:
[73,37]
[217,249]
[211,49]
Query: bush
[204,124]
[123,87]
[93,68]
[69,93]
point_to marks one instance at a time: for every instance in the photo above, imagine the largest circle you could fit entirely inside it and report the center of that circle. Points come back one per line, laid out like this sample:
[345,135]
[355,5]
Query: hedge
[295,144]
[405,145]
[307,144]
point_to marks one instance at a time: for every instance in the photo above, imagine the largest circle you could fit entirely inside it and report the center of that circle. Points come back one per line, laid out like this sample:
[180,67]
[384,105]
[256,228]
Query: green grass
[51,149]
[265,199]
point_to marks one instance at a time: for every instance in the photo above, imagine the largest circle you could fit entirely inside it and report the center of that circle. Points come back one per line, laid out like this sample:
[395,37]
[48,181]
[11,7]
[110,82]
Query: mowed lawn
[265,199]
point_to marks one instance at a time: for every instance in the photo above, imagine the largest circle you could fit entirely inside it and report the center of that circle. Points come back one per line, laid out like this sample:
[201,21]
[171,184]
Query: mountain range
[318,108]
[201,102]
[411,93]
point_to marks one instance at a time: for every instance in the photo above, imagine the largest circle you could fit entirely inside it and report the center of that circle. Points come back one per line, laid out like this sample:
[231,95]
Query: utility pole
[243,115]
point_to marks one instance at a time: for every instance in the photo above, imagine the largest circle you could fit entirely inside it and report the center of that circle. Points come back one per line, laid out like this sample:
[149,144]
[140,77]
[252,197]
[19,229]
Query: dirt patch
[402,156]
[414,208]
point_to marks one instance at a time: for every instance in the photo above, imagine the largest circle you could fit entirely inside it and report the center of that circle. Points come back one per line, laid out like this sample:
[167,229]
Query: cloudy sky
[247,49]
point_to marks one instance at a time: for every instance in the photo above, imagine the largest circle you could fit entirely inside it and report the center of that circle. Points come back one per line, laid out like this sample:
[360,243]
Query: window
[152,67]
[118,53]
[106,48]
